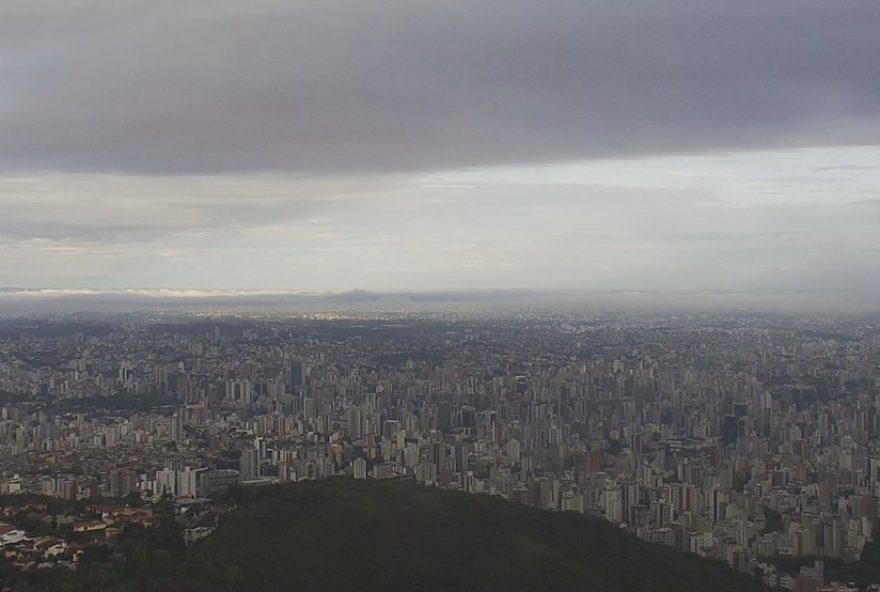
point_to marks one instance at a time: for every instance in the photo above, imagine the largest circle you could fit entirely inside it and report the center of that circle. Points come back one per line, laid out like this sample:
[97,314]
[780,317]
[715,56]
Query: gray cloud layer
[163,87]
[441,144]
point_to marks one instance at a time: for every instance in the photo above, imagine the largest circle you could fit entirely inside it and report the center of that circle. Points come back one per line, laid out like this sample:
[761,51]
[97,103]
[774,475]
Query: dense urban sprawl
[749,439]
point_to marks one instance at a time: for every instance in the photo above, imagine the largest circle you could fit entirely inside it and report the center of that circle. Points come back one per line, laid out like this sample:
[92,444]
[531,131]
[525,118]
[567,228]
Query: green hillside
[372,536]
[395,535]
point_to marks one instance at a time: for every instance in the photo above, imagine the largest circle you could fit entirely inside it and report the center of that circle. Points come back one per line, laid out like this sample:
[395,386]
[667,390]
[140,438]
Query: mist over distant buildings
[30,302]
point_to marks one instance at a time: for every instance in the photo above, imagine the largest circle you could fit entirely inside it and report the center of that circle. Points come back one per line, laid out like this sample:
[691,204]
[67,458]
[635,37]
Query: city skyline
[745,439]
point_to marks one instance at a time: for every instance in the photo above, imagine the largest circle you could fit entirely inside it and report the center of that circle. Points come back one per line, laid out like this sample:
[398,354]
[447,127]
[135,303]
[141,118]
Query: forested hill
[395,535]
[371,536]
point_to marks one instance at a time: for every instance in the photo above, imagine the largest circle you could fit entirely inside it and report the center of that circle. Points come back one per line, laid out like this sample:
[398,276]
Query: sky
[441,144]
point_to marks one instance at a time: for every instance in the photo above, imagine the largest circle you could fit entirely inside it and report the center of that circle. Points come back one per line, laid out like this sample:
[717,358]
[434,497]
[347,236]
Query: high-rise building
[122,481]
[249,464]
[426,473]
[360,468]
[176,427]
[438,456]
[166,482]
[309,408]
[612,500]
[187,482]
[216,480]
[297,375]
[444,417]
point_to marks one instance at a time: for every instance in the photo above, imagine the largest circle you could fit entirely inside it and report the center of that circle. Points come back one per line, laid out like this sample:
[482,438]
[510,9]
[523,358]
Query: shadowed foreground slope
[395,535]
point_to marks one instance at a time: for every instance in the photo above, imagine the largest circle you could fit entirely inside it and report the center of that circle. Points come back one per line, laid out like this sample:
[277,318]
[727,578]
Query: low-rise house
[10,535]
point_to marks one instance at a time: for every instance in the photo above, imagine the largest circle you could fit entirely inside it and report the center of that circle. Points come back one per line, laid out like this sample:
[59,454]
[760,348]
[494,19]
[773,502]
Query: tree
[134,499]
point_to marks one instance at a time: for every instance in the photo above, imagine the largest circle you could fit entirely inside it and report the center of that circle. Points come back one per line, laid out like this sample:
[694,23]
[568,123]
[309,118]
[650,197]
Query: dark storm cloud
[346,85]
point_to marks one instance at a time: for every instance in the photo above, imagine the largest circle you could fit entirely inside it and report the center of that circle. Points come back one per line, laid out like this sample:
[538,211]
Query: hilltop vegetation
[395,535]
[391,535]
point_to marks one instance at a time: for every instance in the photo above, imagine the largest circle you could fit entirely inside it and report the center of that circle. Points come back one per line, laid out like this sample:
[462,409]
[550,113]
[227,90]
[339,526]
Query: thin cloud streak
[656,224]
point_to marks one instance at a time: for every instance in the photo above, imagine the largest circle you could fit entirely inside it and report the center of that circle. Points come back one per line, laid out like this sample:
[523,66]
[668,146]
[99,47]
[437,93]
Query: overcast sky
[441,144]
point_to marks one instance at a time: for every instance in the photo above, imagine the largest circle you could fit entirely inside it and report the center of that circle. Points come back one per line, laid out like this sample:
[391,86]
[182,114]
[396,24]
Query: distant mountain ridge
[47,300]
